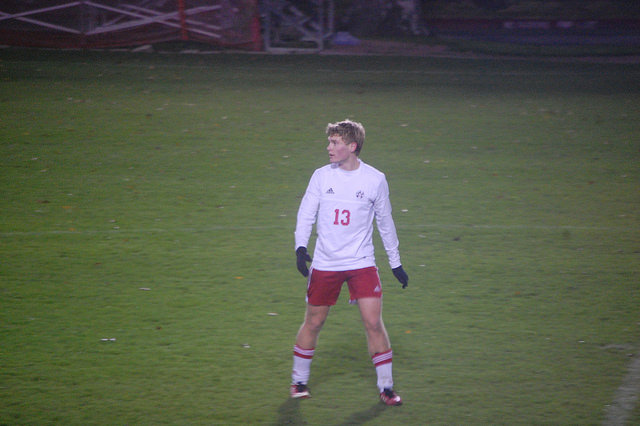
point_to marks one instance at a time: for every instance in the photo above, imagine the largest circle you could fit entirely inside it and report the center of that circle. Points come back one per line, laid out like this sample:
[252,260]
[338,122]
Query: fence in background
[118,23]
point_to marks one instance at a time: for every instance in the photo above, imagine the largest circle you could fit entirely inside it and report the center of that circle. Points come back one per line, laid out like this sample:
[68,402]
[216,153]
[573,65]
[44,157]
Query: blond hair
[350,131]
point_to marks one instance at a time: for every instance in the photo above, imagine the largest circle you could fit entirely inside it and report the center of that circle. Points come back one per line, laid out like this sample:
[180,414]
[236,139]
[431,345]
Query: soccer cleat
[389,397]
[299,390]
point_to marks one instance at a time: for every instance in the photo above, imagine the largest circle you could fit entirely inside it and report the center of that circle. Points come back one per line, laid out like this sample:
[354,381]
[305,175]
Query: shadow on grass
[361,417]
[289,413]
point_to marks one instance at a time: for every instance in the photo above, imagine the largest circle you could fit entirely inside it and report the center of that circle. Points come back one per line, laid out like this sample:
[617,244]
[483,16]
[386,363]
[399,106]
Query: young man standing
[342,200]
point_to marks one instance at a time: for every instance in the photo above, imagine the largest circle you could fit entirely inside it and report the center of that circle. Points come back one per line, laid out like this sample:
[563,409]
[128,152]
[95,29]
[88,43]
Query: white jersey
[343,204]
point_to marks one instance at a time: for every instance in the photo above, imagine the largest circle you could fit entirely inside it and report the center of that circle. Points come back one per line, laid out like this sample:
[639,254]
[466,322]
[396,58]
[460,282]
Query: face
[338,150]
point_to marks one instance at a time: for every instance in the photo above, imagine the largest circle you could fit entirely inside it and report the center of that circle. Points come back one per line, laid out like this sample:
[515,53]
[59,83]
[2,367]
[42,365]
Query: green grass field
[151,199]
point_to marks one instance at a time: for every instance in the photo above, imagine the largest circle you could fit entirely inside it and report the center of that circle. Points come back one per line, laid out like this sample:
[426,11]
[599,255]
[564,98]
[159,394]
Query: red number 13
[342,218]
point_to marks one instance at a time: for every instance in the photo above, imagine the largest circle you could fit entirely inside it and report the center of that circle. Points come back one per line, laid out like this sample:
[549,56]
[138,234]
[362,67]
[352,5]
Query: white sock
[301,364]
[383,362]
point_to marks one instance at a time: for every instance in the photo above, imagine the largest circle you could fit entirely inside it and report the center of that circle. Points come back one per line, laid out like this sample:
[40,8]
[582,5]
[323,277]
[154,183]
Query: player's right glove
[401,276]
[302,259]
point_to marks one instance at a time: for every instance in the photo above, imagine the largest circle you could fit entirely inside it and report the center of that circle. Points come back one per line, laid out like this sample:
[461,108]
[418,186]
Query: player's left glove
[302,257]
[401,276]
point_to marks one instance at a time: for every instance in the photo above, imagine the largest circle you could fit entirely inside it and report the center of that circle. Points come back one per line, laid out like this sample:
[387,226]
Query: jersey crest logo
[330,191]
[360,194]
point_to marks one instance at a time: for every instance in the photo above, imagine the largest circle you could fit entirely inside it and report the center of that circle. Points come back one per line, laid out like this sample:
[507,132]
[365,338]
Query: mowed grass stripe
[207,63]
[223,228]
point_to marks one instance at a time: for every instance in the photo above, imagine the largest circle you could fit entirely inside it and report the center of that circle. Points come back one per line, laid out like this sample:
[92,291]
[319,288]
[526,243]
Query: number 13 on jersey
[343,217]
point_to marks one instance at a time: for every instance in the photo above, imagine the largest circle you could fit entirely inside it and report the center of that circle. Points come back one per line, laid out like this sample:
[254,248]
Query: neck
[350,164]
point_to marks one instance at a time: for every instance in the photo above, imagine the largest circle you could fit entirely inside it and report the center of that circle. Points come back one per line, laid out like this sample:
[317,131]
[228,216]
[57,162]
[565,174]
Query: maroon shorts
[324,287]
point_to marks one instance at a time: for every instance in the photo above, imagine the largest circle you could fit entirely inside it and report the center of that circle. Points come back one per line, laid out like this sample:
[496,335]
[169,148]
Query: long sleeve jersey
[343,204]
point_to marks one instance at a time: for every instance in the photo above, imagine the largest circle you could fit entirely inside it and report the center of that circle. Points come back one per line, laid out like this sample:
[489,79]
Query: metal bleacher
[291,26]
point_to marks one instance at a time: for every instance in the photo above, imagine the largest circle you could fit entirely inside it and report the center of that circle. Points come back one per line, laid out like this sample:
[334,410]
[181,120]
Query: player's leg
[322,292]
[314,319]
[303,351]
[379,348]
[365,287]
[371,313]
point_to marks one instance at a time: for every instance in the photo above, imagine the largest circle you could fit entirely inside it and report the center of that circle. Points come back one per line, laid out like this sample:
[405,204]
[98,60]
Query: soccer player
[342,199]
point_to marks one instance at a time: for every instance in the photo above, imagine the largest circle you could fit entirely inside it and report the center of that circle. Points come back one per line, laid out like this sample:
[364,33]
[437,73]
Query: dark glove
[302,259]
[401,276]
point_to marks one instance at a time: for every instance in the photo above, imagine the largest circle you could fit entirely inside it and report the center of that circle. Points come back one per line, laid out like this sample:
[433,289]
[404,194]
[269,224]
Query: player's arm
[388,234]
[307,213]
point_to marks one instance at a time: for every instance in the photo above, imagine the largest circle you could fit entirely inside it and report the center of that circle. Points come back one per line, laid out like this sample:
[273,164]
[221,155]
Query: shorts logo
[377,289]
[360,194]
[330,191]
